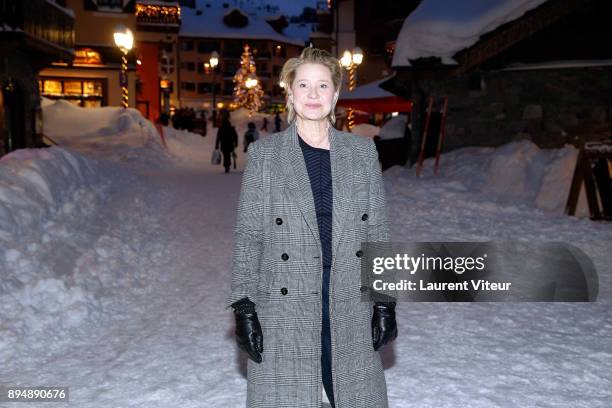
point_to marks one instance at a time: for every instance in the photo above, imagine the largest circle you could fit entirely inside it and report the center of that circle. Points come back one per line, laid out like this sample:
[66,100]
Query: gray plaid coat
[277,263]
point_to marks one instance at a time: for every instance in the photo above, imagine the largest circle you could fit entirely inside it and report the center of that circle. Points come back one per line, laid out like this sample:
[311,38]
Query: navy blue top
[318,164]
[319,171]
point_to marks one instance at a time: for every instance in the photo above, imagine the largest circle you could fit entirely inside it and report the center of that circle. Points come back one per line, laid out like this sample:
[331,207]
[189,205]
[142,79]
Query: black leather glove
[384,327]
[248,330]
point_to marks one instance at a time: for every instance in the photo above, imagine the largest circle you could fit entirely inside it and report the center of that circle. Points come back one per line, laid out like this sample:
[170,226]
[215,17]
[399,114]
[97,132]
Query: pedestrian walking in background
[227,140]
[250,135]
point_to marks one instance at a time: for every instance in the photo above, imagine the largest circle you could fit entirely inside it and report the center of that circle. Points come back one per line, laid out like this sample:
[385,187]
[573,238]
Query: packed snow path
[156,249]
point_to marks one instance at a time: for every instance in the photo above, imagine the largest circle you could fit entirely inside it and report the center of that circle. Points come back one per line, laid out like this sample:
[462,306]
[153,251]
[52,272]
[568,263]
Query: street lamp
[350,61]
[124,39]
[214,61]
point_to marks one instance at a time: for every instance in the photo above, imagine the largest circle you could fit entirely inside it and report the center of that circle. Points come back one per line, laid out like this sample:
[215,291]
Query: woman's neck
[315,133]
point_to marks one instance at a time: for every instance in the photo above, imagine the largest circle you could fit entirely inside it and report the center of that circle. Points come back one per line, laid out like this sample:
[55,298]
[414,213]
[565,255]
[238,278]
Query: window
[92,88]
[230,70]
[232,49]
[51,87]
[166,64]
[206,47]
[280,50]
[189,66]
[188,86]
[110,3]
[204,87]
[73,87]
[277,90]
[187,45]
[82,92]
[228,87]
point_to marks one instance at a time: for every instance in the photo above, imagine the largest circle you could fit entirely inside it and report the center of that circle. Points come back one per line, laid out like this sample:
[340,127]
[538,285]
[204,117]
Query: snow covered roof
[367,91]
[441,28]
[68,11]
[303,31]
[209,23]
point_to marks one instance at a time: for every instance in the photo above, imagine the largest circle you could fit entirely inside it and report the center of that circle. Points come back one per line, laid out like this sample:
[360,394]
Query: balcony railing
[41,19]
[158,14]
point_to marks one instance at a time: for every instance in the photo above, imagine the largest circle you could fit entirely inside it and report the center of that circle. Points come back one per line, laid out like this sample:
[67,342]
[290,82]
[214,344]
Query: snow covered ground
[115,257]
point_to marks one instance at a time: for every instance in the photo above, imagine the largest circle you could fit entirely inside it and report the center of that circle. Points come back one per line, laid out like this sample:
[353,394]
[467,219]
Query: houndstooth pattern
[275,184]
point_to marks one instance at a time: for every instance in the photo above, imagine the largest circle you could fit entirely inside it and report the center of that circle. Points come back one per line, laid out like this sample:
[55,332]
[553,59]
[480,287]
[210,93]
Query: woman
[227,139]
[309,196]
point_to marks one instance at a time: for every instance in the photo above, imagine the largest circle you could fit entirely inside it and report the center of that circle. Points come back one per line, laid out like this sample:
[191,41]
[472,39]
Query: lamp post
[350,61]
[124,39]
[214,61]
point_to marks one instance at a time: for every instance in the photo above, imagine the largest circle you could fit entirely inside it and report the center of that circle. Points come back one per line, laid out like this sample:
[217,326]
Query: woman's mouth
[313,105]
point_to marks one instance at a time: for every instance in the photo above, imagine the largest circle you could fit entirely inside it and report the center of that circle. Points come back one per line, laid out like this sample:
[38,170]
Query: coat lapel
[298,182]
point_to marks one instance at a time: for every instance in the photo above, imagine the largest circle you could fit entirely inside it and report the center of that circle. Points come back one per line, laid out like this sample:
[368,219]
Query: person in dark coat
[296,284]
[264,124]
[250,135]
[227,140]
[277,122]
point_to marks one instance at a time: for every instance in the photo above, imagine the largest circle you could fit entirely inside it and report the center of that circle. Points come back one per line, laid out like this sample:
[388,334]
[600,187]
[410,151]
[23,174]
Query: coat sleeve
[248,234]
[378,219]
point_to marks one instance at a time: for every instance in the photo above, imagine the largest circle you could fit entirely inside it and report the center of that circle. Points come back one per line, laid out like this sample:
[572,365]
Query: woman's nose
[312,92]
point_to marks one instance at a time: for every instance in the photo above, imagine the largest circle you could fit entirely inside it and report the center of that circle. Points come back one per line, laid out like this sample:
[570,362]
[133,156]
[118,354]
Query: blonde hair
[313,56]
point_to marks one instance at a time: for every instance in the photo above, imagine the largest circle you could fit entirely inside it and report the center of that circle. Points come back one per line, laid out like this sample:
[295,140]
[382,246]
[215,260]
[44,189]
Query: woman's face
[312,92]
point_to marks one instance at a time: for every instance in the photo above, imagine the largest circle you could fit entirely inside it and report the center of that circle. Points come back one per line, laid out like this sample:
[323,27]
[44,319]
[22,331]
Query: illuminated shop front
[85,92]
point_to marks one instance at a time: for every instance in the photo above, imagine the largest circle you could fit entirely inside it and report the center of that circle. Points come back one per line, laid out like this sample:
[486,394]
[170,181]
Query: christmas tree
[247,89]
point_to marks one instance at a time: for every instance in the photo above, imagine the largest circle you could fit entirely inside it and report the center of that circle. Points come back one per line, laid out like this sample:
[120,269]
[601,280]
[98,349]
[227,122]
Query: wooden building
[545,76]
[32,34]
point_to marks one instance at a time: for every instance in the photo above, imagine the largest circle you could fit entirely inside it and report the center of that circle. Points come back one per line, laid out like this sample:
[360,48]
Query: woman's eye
[302,85]
[323,85]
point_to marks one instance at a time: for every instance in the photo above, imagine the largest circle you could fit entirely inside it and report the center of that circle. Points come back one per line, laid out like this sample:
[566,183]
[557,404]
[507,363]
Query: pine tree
[247,96]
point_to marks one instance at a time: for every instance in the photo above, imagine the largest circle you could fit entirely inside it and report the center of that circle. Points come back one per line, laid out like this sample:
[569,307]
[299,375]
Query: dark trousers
[326,355]
[227,159]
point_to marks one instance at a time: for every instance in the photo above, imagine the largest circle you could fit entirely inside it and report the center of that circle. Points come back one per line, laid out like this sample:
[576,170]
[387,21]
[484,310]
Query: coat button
[284,257]
[364,217]
[279,221]
[359,253]
[363,289]
[284,291]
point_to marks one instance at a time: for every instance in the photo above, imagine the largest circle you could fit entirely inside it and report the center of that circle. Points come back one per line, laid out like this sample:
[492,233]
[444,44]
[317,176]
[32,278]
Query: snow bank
[441,28]
[52,276]
[114,133]
[515,173]
[394,128]
[64,120]
[365,129]
[38,186]
[35,183]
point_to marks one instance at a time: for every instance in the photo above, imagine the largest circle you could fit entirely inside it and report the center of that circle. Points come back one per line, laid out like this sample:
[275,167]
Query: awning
[372,98]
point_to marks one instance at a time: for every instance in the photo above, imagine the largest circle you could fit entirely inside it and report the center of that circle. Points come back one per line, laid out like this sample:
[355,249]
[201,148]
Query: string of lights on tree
[247,89]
